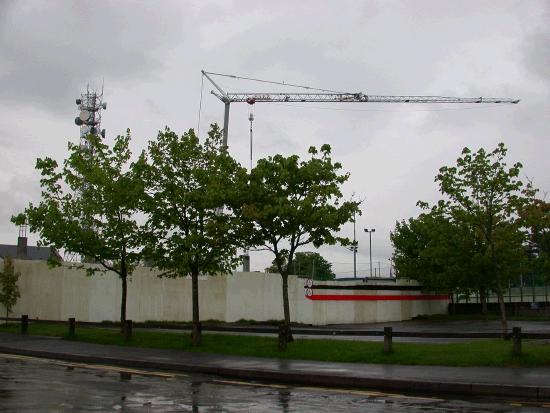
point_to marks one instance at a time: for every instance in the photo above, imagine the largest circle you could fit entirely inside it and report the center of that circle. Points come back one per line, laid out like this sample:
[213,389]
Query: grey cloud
[50,50]
[151,54]
[20,191]
[537,48]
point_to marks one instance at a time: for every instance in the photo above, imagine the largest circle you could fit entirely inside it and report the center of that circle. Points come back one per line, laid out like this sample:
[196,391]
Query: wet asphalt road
[39,385]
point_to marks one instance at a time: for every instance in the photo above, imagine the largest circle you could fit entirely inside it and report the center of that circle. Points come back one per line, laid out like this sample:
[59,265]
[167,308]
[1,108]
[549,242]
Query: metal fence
[521,294]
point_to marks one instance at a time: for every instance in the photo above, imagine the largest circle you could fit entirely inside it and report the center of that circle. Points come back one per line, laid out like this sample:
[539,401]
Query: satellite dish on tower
[84,115]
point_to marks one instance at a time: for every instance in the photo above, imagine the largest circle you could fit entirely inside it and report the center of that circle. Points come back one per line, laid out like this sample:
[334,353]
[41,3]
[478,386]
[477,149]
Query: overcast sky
[149,55]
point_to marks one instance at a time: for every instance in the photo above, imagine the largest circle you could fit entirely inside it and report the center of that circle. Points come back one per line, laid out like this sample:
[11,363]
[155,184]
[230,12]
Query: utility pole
[246,255]
[353,249]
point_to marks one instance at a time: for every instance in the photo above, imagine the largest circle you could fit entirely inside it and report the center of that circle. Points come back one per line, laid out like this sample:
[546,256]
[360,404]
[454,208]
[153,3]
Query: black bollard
[196,333]
[387,339]
[24,324]
[72,326]
[127,329]
[516,337]
[283,336]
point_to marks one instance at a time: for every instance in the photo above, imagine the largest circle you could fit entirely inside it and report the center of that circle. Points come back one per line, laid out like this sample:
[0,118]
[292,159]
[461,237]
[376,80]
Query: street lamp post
[370,231]
[353,249]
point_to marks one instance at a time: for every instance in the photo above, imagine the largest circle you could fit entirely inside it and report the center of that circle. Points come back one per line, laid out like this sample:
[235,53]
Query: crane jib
[252,98]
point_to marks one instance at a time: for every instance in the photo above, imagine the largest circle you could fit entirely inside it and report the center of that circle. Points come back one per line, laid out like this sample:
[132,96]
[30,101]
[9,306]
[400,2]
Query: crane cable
[273,82]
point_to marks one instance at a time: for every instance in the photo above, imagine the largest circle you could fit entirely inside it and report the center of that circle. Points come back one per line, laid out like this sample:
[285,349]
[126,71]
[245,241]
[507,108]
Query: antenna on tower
[90,105]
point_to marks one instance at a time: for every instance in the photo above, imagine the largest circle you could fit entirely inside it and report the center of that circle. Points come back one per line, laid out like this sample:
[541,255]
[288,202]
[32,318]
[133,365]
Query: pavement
[529,383]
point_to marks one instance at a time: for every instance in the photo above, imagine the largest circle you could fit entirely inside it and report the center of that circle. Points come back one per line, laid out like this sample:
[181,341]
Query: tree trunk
[123,302]
[483,300]
[196,330]
[286,307]
[502,306]
[499,292]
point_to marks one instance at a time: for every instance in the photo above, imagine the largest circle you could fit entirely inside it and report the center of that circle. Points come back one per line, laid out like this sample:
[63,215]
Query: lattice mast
[89,106]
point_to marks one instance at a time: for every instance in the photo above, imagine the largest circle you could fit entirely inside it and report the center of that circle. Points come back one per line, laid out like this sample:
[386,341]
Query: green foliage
[190,188]
[472,238]
[89,205]
[9,290]
[292,203]
[536,215]
[308,264]
[190,227]
[484,194]
[439,253]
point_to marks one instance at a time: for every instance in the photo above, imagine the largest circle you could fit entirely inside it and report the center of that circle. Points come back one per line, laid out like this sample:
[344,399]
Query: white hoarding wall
[63,292]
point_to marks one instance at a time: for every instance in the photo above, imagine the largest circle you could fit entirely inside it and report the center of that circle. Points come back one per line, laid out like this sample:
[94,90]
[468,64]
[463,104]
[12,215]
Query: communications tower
[89,106]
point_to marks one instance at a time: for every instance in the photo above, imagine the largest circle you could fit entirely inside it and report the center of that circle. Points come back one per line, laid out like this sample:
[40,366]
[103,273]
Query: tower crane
[325,96]
[320,96]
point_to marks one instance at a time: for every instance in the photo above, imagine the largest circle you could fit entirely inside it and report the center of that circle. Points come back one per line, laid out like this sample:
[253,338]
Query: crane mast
[329,97]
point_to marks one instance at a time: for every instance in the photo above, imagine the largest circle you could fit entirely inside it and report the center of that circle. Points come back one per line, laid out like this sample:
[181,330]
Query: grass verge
[475,353]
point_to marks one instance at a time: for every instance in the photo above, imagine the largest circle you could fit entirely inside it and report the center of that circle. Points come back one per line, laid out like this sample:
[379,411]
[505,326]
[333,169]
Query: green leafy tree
[310,264]
[191,229]
[292,204]
[9,290]
[89,208]
[439,253]
[484,194]
[536,218]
